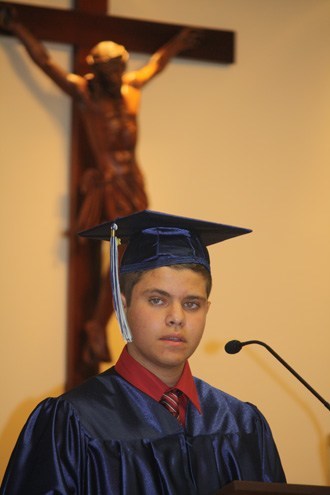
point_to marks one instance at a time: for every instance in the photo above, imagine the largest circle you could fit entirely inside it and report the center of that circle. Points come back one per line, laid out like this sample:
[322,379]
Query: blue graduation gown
[107,437]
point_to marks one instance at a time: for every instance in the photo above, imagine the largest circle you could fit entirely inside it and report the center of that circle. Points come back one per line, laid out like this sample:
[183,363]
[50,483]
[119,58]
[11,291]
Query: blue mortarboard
[155,239]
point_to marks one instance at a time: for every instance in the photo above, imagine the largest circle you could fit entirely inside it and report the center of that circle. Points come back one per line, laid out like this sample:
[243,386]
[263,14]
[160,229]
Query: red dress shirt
[150,384]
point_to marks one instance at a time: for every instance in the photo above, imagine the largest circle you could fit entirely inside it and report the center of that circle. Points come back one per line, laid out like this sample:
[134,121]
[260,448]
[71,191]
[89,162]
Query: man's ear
[123,298]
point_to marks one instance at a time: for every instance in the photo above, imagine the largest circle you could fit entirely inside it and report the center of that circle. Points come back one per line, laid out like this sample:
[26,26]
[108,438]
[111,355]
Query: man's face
[167,317]
[111,70]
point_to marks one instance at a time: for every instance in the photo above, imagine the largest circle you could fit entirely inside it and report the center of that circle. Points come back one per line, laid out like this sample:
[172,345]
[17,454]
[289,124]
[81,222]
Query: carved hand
[7,16]
[188,38]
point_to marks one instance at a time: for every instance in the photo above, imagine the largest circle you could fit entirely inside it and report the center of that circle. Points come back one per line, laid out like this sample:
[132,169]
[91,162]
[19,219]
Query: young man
[146,426]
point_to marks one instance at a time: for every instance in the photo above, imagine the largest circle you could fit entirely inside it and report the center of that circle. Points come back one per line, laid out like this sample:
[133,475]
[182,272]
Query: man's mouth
[173,338]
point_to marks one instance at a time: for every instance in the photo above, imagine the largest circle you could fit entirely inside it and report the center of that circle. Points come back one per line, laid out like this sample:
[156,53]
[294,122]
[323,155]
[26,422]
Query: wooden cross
[83,27]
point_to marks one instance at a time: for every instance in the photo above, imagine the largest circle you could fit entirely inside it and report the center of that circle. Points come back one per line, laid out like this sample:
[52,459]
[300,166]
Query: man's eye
[155,301]
[191,305]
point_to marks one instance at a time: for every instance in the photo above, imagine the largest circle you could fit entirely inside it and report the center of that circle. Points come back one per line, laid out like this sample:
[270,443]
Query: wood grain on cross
[83,27]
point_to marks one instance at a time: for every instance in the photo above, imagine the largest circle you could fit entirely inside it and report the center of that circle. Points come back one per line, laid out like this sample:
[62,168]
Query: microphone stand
[238,345]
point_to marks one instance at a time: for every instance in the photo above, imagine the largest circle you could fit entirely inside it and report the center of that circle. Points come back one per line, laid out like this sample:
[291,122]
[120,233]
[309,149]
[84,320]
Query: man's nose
[175,316]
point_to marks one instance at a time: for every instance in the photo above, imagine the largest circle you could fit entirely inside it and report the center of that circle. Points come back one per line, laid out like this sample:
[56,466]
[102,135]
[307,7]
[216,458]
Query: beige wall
[246,144]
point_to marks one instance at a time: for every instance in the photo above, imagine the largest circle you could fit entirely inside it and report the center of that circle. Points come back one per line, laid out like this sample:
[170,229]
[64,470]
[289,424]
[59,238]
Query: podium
[259,488]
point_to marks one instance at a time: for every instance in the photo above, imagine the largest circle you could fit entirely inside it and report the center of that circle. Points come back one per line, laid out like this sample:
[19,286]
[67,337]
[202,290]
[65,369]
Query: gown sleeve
[270,462]
[50,453]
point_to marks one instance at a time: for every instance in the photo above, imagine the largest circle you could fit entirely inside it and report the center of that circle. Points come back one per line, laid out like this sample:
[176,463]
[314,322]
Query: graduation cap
[156,239]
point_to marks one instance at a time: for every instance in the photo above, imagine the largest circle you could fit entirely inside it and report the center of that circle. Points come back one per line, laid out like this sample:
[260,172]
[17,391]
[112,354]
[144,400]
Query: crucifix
[83,27]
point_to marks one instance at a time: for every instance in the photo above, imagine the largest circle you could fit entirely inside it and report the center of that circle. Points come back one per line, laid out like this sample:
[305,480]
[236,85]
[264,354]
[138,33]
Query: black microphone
[234,346]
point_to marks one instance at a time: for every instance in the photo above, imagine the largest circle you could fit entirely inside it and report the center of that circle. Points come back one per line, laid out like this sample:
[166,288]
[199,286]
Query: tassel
[114,277]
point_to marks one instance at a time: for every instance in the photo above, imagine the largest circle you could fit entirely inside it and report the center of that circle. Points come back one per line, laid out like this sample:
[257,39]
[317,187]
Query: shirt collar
[150,384]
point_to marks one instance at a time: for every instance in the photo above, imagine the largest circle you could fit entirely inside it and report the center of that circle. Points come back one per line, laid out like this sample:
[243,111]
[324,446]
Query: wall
[245,144]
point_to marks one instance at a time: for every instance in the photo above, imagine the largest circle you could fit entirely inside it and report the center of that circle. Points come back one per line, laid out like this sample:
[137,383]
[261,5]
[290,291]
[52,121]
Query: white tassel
[117,301]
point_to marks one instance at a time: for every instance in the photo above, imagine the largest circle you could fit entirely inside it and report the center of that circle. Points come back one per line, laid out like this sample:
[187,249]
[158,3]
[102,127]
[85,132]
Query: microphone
[234,346]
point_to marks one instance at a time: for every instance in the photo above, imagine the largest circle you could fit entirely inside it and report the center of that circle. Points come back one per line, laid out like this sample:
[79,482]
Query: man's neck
[169,377]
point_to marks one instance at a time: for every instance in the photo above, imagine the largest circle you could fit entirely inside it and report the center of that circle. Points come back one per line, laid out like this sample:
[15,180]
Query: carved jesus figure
[108,98]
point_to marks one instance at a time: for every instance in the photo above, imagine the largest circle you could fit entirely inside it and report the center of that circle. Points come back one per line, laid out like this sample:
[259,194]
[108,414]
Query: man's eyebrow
[157,291]
[200,298]
[160,292]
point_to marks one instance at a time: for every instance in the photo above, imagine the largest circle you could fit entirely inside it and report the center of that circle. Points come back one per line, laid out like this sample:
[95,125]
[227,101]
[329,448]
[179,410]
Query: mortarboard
[154,239]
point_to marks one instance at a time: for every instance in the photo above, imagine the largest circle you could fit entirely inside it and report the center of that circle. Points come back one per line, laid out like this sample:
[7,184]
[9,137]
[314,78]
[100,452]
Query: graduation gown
[107,437]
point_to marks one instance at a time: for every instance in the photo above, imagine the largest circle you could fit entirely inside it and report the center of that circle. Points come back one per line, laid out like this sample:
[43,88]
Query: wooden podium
[259,488]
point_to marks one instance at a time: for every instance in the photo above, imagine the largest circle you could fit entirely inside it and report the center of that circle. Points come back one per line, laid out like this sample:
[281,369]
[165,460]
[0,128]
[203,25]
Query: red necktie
[170,400]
